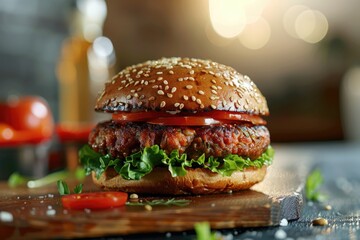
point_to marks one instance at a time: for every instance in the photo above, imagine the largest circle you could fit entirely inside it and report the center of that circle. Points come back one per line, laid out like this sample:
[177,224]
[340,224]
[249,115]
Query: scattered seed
[151,98]
[160,92]
[193,98]
[177,104]
[189,87]
[162,104]
[201,92]
[173,89]
[185,97]
[148,207]
[320,222]
[213,106]
[169,95]
[328,207]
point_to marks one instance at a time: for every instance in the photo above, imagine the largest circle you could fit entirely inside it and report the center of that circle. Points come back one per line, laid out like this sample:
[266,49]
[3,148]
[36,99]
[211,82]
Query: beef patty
[123,139]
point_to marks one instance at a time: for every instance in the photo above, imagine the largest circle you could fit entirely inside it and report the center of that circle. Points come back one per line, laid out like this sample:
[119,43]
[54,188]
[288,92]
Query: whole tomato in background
[25,120]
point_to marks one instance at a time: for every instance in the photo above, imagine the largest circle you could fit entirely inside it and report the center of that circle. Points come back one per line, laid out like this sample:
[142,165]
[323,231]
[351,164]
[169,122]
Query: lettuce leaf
[143,162]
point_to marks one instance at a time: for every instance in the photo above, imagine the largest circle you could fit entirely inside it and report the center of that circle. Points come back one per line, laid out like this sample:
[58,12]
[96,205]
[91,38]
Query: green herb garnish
[78,188]
[312,185]
[164,202]
[16,179]
[203,231]
[139,164]
[63,188]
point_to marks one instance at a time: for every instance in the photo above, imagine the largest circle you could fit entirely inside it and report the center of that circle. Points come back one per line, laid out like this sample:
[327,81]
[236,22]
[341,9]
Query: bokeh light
[227,17]
[256,35]
[311,26]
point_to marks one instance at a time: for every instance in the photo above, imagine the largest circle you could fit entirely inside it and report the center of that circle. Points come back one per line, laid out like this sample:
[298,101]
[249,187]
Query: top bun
[181,85]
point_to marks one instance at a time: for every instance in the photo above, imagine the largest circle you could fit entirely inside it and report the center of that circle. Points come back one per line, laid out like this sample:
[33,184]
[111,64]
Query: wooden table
[253,214]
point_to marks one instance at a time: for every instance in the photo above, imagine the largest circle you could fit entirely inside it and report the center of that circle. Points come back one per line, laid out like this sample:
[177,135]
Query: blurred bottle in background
[350,98]
[86,62]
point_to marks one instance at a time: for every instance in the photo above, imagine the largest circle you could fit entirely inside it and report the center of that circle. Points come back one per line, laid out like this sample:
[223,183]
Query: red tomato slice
[184,121]
[138,116]
[94,200]
[235,116]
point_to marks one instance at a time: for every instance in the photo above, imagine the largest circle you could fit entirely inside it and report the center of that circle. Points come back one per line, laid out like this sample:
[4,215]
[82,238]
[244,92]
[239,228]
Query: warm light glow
[214,38]
[311,26]
[256,35]
[290,18]
[227,17]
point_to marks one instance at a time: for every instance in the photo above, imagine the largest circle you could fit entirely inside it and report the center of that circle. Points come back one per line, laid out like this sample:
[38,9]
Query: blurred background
[303,55]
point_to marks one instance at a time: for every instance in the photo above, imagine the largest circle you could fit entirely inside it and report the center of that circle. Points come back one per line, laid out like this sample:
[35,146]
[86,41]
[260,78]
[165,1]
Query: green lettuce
[143,162]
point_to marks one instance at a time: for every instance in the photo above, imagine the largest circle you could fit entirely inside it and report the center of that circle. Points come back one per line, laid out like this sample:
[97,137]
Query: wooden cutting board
[38,213]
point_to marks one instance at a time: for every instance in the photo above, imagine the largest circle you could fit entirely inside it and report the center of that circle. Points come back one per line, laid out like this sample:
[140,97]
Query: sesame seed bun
[196,181]
[181,85]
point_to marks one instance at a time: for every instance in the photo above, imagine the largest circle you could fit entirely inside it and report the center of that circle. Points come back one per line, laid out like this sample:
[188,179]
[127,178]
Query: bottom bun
[196,181]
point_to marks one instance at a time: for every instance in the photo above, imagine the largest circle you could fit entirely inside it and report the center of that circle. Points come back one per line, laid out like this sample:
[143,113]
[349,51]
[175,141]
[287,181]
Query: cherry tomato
[29,119]
[94,200]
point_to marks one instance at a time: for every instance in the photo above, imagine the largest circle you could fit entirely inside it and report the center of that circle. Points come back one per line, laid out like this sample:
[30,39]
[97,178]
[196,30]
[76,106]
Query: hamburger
[179,126]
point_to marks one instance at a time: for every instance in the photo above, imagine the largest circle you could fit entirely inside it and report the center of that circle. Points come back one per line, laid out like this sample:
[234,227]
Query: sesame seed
[202,106]
[160,78]
[180,79]
[146,82]
[219,87]
[213,81]
[148,207]
[192,72]
[119,88]
[214,87]
[152,81]
[162,104]
[160,92]
[165,82]
[142,97]
[127,85]
[185,97]
[140,104]
[134,196]
[181,106]
[128,97]
[211,72]
[198,101]
[159,73]
[193,98]
[173,89]
[212,97]
[169,95]
[203,71]
[136,83]
[151,98]
[155,86]
[186,78]
[191,78]
[167,87]
[213,91]
[136,95]
[139,89]
[132,90]
[213,106]
[189,87]
[176,104]
[140,72]
[171,72]
[201,92]
[146,75]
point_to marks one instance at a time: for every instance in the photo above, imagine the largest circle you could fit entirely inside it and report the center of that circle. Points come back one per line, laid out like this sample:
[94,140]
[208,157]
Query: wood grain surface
[38,213]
